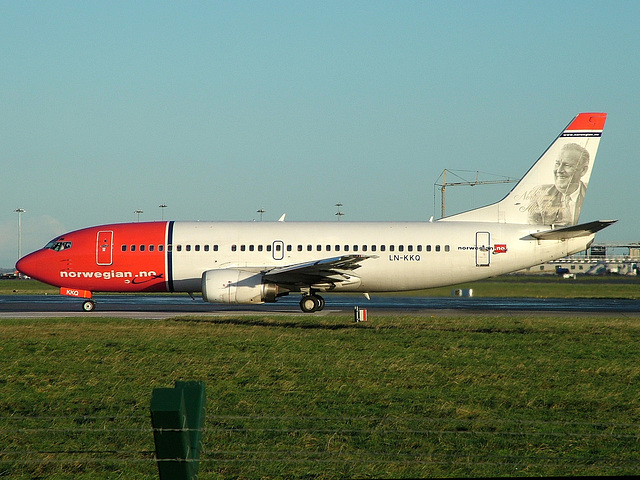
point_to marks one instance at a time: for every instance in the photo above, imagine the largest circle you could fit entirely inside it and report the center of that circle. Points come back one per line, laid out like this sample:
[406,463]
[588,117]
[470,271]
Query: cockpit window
[58,245]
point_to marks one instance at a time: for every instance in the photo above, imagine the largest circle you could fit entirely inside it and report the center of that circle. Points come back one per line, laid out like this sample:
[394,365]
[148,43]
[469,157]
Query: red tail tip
[588,121]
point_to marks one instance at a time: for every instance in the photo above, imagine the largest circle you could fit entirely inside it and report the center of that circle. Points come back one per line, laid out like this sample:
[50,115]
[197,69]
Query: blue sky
[217,109]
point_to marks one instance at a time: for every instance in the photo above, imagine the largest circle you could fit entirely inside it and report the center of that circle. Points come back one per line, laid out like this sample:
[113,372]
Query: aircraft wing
[327,270]
[573,231]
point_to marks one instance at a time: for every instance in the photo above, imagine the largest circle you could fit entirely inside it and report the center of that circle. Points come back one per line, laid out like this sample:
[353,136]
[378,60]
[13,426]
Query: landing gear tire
[311,303]
[88,305]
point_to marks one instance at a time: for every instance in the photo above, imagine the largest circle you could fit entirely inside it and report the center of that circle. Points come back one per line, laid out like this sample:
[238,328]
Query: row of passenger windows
[160,248]
[142,248]
[279,247]
[343,248]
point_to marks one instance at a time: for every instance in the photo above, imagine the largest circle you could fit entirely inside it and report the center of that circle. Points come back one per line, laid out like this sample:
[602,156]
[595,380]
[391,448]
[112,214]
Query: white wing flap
[335,269]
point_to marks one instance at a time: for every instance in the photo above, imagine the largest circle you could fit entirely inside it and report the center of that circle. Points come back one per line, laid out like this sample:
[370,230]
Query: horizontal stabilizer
[573,231]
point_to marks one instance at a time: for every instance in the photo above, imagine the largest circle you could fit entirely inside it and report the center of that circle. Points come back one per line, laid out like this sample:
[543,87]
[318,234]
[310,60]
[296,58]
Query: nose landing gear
[88,305]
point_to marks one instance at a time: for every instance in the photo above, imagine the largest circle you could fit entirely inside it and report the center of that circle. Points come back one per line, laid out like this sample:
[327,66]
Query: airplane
[259,262]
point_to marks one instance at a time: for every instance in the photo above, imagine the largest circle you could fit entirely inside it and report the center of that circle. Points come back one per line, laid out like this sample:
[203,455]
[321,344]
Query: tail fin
[552,191]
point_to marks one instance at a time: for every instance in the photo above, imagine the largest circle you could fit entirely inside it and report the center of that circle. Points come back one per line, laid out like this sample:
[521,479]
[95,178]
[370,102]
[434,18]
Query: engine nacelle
[231,285]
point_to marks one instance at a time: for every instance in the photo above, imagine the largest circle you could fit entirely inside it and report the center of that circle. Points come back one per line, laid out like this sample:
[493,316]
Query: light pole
[162,207]
[339,214]
[260,211]
[138,212]
[20,211]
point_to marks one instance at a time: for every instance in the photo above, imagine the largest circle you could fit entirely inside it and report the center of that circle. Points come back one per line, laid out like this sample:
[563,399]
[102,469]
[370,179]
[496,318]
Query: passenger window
[178,248]
[123,248]
[161,248]
[419,248]
[243,248]
[428,248]
[355,248]
[383,248]
[446,248]
[309,248]
[152,247]
[188,248]
[197,247]
[206,248]
[392,248]
[142,248]
[410,248]
[260,247]
[373,248]
[234,248]
[346,248]
[133,248]
[437,248]
[299,248]
[401,248]
[251,248]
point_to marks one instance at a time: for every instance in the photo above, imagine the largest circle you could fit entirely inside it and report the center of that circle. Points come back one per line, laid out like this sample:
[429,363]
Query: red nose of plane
[28,265]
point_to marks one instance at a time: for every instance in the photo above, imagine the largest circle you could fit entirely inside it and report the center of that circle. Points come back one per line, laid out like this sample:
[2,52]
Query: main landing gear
[311,303]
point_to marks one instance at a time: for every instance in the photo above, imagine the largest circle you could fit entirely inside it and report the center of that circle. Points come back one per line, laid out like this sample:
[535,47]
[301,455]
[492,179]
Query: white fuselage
[403,255]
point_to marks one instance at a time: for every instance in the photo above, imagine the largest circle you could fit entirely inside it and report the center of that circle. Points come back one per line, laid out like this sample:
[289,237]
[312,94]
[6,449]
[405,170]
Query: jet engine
[231,285]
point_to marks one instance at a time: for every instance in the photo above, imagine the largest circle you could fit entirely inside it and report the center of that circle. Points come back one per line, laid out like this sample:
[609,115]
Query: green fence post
[195,401]
[177,416]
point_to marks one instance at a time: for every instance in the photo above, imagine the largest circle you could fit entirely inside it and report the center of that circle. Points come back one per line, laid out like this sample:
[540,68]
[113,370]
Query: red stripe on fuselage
[131,259]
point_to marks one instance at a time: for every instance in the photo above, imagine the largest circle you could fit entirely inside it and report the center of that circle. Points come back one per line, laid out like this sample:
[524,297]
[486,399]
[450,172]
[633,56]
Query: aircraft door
[483,249]
[104,248]
[277,250]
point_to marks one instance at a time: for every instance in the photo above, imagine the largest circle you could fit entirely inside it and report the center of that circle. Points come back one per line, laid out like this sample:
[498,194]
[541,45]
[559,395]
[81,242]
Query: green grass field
[322,397]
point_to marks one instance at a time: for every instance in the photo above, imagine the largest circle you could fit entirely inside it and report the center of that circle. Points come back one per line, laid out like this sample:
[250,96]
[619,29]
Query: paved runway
[168,306]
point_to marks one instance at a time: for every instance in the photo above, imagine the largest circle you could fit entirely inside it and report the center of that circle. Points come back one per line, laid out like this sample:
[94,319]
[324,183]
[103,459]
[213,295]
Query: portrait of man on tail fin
[561,202]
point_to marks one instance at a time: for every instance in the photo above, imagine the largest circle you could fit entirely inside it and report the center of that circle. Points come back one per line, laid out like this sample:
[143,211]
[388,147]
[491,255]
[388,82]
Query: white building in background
[600,259]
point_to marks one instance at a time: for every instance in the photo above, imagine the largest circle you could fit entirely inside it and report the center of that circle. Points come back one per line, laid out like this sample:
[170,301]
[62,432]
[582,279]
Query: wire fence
[497,445]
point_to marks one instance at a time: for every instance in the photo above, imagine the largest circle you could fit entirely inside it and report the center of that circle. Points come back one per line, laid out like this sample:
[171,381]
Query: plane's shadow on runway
[255,322]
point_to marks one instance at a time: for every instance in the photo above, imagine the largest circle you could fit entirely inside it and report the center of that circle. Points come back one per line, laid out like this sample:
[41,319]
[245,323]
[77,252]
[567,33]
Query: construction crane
[461,181]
